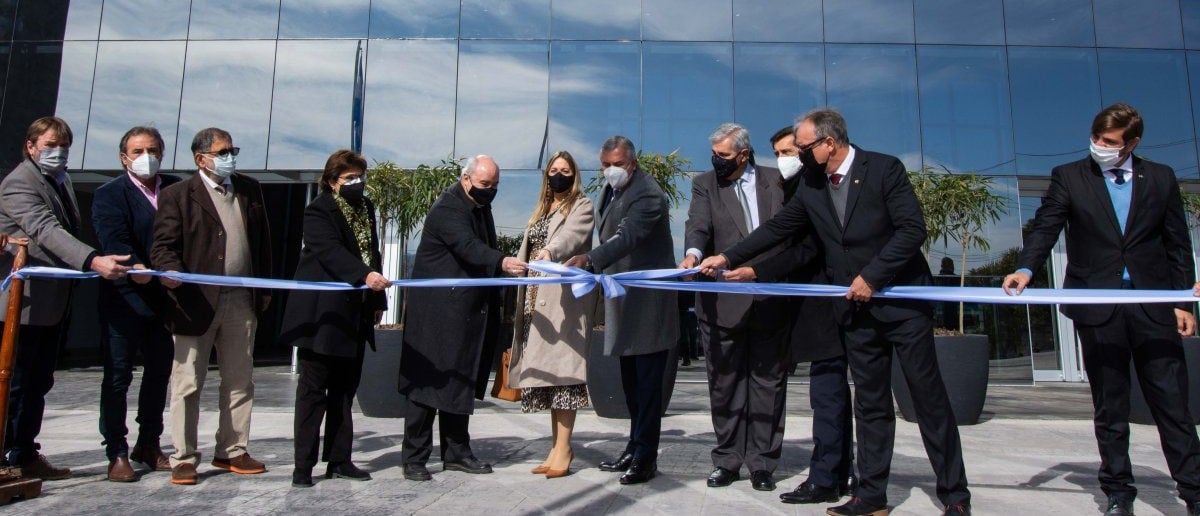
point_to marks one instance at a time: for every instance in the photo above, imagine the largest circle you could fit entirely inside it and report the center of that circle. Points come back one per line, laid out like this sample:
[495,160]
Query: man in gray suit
[643,325]
[744,337]
[37,203]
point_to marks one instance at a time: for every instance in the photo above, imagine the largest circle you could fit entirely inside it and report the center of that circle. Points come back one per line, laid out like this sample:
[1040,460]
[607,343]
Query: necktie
[1118,176]
[68,207]
[835,179]
[741,195]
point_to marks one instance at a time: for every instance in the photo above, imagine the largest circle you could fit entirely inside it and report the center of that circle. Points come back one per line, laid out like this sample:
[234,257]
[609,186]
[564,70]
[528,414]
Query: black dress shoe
[849,486]
[346,470]
[639,471]
[721,477]
[302,477]
[762,480]
[857,507]
[468,465]
[1119,505]
[619,464]
[416,471]
[958,508]
[808,492]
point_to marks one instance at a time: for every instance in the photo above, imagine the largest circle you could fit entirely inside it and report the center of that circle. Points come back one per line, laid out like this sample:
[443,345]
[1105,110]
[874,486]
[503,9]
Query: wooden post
[12,483]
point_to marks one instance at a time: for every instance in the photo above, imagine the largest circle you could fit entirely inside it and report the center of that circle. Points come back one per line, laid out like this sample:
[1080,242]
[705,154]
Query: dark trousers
[1158,358]
[33,376]
[869,344]
[747,385]
[121,338]
[642,379]
[325,390]
[833,426]
[418,434]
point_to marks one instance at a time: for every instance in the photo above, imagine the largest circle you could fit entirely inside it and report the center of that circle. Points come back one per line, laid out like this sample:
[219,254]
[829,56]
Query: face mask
[560,183]
[1106,157]
[145,166]
[789,166]
[810,161]
[354,191]
[53,160]
[724,167]
[224,166]
[616,176]
[483,196]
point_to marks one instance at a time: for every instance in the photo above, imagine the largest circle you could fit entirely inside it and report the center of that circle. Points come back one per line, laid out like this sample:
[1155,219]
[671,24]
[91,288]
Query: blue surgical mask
[224,166]
[53,160]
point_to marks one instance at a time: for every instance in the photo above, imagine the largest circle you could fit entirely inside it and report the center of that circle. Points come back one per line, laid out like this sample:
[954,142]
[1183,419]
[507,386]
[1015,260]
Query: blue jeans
[121,338]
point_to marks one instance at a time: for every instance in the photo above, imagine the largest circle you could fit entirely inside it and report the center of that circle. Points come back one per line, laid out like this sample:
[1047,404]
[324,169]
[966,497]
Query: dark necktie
[1118,176]
[835,179]
[64,198]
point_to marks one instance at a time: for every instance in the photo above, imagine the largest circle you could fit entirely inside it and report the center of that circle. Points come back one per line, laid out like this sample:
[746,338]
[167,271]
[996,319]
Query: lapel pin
[855,181]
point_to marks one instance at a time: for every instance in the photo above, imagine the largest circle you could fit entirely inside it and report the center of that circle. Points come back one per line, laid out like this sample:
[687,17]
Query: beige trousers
[232,332]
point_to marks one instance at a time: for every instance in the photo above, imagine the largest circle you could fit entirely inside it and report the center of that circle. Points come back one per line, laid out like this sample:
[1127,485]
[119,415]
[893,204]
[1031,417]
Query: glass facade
[1001,87]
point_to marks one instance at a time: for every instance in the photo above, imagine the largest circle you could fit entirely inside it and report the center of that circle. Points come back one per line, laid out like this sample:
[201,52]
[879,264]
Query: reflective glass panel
[515,200]
[137,83]
[414,19]
[687,20]
[1141,24]
[243,19]
[591,98]
[770,20]
[687,91]
[324,18]
[502,96]
[410,101]
[507,19]
[144,19]
[1164,102]
[1049,22]
[41,21]
[311,109]
[1055,94]
[875,88]
[966,121]
[33,70]
[75,90]
[83,19]
[589,19]
[974,22]
[1193,60]
[1043,319]
[869,21]
[8,13]
[233,94]
[1191,23]
[772,84]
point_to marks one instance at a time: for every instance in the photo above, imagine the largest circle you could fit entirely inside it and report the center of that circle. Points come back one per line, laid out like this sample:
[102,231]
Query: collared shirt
[151,195]
[844,169]
[746,183]
[212,184]
[1126,168]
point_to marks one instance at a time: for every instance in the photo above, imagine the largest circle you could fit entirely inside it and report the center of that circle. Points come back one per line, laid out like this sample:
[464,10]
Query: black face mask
[483,196]
[810,162]
[560,183]
[354,194]
[724,167]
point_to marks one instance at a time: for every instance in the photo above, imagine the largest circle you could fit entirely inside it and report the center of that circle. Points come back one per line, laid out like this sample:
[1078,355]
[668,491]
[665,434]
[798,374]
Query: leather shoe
[857,507]
[639,472]
[721,477]
[850,485]
[152,456]
[468,465]
[958,508]
[41,468]
[302,477]
[242,464]
[808,492]
[119,470]
[417,472]
[184,474]
[1119,505]
[619,464]
[346,470]
[762,480]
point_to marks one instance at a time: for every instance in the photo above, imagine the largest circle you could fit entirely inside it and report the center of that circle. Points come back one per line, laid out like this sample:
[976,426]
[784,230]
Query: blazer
[189,237]
[30,207]
[716,221]
[336,323]
[635,231]
[1155,247]
[124,223]
[880,238]
[560,325]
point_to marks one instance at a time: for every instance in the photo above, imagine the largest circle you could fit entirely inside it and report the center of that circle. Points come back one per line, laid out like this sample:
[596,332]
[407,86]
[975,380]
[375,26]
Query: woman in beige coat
[550,344]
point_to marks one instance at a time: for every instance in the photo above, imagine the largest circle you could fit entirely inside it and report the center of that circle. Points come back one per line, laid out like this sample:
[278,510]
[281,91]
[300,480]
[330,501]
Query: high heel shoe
[540,470]
[556,473]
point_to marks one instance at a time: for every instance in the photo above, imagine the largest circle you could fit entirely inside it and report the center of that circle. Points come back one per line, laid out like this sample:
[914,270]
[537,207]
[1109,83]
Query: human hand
[542,255]
[580,260]
[1018,280]
[378,316]
[266,301]
[513,266]
[740,274]
[1185,322]
[110,267]
[860,290]
[689,261]
[1196,289]
[377,282]
[140,279]
[170,283]
[709,266]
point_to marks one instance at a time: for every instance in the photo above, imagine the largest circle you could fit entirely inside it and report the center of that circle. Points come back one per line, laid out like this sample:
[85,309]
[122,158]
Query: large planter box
[1139,411]
[377,396]
[963,362]
[604,379]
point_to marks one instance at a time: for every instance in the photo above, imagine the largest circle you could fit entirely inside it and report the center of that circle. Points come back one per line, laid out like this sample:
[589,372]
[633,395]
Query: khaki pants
[232,332]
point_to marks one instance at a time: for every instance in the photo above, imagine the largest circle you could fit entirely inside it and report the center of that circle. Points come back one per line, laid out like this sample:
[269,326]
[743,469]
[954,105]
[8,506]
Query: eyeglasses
[225,152]
[805,148]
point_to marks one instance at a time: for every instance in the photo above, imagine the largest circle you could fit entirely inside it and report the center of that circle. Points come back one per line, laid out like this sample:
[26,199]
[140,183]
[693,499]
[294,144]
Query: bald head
[480,173]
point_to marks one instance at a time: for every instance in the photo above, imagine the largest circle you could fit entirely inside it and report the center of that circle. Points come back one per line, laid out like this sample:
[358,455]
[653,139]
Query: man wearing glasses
[215,223]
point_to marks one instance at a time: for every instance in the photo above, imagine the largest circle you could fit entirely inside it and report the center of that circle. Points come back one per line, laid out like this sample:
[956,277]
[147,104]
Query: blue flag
[356,114]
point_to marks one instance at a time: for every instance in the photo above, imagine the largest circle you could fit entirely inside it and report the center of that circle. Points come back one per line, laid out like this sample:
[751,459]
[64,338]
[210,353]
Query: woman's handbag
[500,389]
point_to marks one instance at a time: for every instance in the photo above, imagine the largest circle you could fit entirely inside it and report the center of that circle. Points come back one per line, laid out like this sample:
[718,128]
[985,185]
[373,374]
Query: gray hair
[611,144]
[206,137]
[827,123]
[468,170]
[739,134]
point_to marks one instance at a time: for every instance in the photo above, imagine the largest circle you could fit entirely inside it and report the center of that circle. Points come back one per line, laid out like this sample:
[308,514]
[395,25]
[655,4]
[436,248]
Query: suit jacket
[1155,247]
[124,223]
[450,334]
[635,234]
[189,237]
[329,322]
[716,221]
[555,353]
[880,238]
[30,207]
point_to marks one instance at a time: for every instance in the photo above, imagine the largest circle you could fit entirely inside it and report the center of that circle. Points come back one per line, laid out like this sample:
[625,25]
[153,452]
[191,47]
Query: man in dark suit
[744,337]
[123,217]
[450,333]
[869,223]
[643,325]
[1126,229]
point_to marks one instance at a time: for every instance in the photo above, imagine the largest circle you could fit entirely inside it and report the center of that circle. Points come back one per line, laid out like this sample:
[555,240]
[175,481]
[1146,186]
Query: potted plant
[956,207]
[402,198]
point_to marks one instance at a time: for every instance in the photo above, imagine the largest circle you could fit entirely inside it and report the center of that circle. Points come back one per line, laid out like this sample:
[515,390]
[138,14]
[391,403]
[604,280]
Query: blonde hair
[546,196]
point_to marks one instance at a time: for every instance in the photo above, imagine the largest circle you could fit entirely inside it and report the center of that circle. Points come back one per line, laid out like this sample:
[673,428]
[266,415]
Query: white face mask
[789,166]
[53,160]
[224,166]
[1106,157]
[616,176]
[145,166]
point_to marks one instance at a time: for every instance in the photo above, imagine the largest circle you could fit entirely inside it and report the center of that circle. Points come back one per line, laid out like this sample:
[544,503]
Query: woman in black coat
[331,328]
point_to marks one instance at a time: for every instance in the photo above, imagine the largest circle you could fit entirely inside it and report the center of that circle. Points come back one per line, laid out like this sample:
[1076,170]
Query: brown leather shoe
[242,464]
[152,456]
[41,468]
[119,470]
[184,474]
